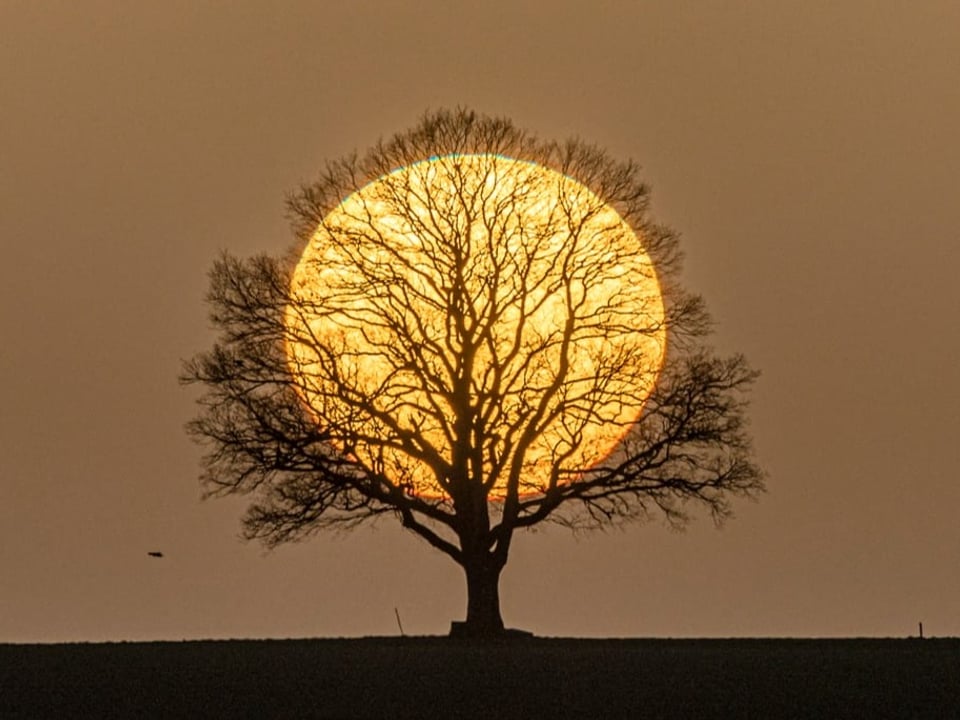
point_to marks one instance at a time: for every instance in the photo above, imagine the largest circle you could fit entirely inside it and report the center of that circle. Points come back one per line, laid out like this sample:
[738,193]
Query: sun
[475,301]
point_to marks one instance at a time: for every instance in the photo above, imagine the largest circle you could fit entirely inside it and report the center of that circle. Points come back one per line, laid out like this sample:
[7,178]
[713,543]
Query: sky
[807,153]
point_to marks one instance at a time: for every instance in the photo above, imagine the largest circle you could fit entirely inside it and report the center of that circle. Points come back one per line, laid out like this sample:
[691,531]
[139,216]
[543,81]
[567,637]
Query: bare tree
[476,332]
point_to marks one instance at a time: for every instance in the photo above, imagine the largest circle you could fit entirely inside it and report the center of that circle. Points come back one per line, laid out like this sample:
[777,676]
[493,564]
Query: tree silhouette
[477,332]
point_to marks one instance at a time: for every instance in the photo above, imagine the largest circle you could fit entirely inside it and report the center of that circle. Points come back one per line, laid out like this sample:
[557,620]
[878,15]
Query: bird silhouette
[155,553]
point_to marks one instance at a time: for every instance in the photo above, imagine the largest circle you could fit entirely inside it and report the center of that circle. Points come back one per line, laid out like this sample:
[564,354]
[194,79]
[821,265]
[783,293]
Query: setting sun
[470,292]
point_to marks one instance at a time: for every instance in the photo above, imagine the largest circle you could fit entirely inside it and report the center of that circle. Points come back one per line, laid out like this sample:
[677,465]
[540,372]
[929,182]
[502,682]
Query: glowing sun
[477,315]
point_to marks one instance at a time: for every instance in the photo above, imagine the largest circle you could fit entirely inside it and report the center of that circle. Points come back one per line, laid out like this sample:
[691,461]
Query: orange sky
[807,153]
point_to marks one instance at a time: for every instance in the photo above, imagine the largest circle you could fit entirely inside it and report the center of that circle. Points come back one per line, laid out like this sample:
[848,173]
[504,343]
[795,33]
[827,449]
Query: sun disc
[484,275]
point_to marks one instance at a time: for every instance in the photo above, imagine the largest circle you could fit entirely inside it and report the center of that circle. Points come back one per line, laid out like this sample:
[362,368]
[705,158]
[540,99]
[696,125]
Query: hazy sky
[807,151]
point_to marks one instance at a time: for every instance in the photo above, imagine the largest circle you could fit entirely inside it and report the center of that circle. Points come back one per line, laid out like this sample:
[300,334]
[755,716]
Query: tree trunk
[483,599]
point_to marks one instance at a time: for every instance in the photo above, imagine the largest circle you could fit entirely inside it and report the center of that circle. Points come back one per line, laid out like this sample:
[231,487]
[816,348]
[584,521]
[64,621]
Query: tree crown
[477,331]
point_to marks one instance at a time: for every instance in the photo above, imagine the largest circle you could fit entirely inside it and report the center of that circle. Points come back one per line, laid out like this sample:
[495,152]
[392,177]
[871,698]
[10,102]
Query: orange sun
[554,287]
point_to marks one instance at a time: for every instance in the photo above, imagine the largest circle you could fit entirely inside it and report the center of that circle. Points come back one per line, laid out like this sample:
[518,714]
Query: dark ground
[441,678]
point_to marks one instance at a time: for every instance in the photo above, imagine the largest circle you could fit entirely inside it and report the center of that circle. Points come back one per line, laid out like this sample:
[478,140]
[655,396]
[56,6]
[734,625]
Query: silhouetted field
[440,678]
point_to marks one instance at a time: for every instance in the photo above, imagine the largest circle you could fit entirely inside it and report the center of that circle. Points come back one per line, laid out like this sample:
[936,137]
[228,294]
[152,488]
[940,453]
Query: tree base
[462,630]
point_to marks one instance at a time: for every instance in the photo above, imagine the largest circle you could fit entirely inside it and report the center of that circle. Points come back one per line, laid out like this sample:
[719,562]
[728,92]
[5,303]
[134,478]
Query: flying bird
[155,553]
